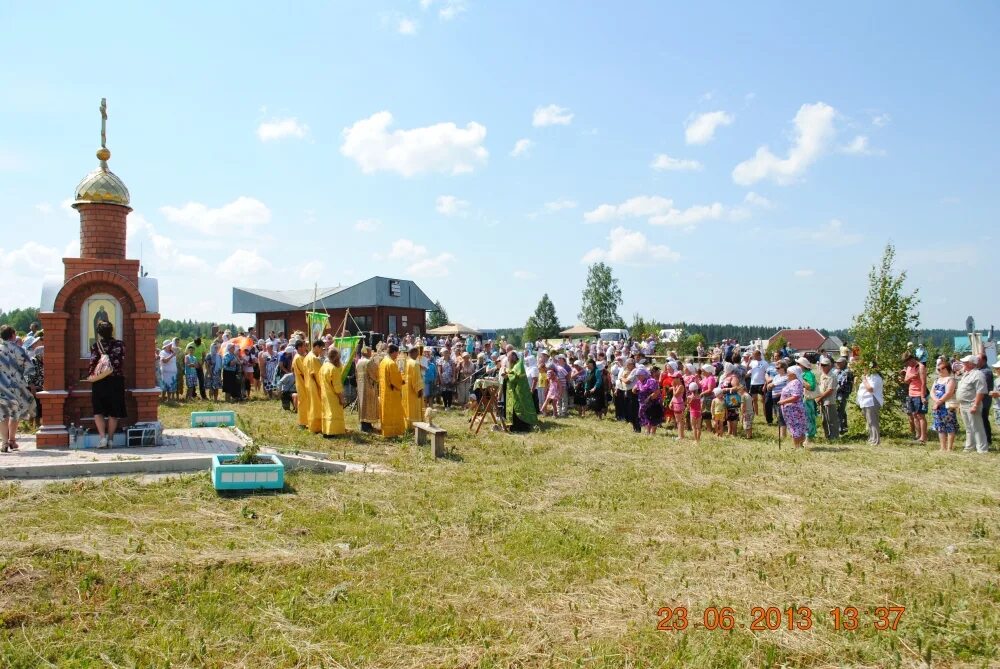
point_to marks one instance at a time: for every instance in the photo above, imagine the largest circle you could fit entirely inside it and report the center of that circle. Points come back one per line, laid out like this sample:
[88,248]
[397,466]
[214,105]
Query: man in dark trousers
[984,367]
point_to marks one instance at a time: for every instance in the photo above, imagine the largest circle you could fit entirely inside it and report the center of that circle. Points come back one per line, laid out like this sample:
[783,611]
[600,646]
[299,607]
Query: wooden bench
[423,430]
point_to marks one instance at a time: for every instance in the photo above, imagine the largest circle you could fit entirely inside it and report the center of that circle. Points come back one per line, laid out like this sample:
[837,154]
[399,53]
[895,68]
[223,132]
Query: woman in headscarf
[331,386]
[213,372]
[809,389]
[593,386]
[168,370]
[232,375]
[269,361]
[446,378]
[16,402]
[793,407]
[647,389]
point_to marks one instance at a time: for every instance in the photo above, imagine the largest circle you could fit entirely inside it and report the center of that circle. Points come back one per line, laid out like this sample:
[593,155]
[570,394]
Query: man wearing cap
[970,395]
[827,398]
[845,384]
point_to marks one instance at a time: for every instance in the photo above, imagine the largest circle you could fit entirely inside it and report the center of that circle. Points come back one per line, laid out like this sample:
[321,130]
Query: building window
[356,324]
[392,325]
[275,326]
[394,288]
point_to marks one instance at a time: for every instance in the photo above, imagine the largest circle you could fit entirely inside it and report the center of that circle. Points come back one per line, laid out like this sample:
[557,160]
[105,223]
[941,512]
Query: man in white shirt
[970,394]
[758,377]
[870,401]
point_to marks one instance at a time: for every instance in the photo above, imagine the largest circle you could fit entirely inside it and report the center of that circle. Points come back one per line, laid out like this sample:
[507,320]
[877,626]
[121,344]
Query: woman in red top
[915,377]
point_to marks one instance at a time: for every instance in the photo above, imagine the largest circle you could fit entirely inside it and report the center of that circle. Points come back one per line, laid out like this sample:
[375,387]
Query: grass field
[552,549]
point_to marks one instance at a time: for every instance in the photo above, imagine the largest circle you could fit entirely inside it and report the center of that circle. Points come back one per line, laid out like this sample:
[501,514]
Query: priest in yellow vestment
[390,385]
[313,365]
[331,386]
[413,389]
[299,370]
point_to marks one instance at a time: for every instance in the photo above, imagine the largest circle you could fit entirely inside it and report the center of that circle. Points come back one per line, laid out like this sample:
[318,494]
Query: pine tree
[438,317]
[601,299]
[543,324]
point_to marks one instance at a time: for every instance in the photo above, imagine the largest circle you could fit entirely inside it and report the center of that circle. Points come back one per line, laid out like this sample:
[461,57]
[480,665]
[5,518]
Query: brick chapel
[102,284]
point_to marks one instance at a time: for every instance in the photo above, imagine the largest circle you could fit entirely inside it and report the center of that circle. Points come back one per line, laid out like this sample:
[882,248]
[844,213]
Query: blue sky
[733,162]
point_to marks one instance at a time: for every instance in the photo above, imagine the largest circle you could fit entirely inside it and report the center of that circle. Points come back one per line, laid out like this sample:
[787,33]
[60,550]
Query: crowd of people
[724,389]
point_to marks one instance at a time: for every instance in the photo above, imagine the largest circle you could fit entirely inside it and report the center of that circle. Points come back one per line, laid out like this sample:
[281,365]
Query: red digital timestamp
[772,618]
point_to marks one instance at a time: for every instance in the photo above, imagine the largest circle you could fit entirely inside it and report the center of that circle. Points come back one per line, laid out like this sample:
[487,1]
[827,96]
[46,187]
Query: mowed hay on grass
[551,549]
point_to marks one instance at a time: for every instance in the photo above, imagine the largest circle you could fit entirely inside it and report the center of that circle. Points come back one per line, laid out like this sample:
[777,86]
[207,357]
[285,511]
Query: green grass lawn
[552,549]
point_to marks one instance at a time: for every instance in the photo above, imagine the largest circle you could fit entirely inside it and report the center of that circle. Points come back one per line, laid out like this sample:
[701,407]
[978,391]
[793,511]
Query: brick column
[52,432]
[102,230]
[145,394]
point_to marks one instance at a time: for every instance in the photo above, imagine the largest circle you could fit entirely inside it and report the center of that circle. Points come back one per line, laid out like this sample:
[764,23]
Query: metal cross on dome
[104,123]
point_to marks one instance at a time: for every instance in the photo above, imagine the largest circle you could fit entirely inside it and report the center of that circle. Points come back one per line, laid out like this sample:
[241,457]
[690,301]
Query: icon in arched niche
[97,308]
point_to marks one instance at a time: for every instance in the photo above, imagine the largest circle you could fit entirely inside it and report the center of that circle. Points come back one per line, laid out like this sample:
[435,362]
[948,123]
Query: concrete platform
[183,450]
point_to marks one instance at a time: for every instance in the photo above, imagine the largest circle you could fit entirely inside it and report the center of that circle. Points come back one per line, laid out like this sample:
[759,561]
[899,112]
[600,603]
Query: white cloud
[551,115]
[443,147]
[367,225]
[701,129]
[243,264]
[449,205]
[663,162]
[802,273]
[404,249]
[32,257]
[521,147]
[237,216]
[524,275]
[630,247]
[814,131]
[311,271]
[692,215]
[431,267]
[661,211]
[859,146]
[421,262]
[640,206]
[406,26]
[755,200]
[559,205]
[447,9]
[269,131]
[833,234]
[881,120]
[44,207]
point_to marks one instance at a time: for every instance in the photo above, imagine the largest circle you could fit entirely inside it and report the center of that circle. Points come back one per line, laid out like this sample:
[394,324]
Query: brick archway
[98,277]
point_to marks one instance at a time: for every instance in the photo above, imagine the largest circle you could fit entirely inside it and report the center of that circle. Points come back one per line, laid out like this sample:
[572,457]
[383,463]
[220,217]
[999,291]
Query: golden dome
[102,186]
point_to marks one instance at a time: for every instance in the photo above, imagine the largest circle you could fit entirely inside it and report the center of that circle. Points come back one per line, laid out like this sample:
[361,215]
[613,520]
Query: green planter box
[226,476]
[213,419]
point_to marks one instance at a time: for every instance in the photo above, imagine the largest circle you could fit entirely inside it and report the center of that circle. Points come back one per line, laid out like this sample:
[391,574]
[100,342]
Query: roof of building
[801,340]
[373,292]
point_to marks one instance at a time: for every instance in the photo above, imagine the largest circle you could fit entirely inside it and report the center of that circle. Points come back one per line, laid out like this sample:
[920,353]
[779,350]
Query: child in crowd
[555,391]
[747,412]
[678,403]
[289,398]
[190,371]
[694,410]
[718,412]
